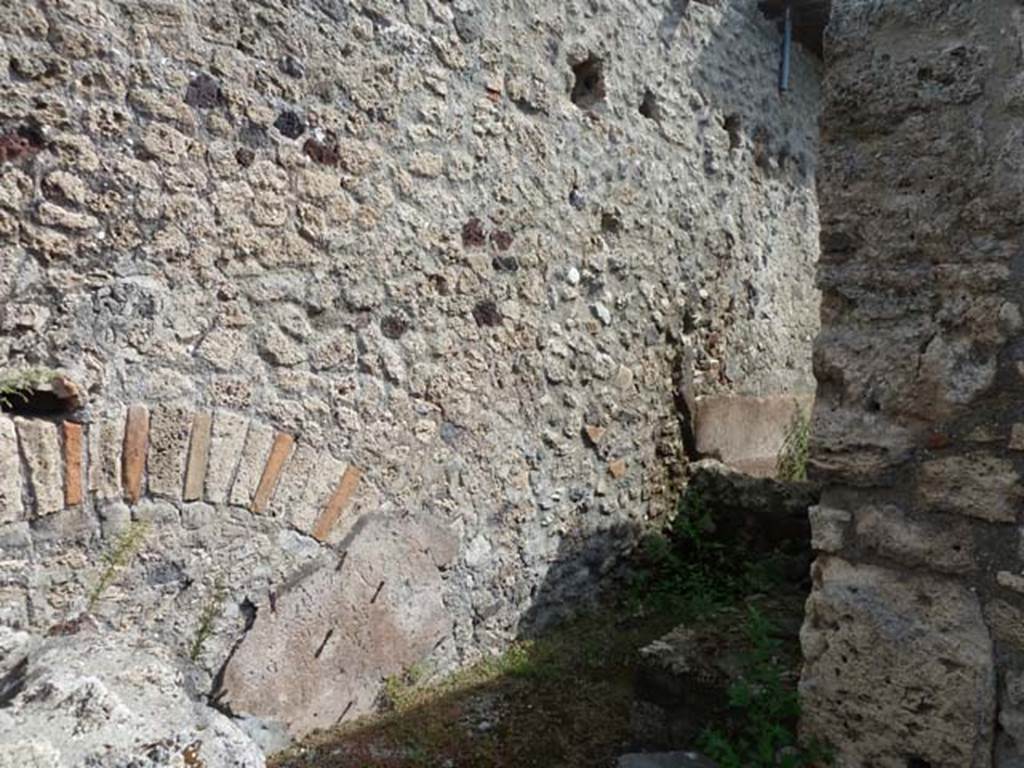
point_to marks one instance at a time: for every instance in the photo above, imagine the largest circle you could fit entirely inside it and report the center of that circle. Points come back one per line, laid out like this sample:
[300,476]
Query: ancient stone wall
[914,638]
[486,254]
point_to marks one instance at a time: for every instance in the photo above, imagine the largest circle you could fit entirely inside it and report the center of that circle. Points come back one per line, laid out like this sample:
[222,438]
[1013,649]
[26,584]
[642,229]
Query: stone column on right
[914,635]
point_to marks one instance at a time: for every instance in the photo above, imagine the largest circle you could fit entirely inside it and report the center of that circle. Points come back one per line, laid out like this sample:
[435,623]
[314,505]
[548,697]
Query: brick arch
[175,453]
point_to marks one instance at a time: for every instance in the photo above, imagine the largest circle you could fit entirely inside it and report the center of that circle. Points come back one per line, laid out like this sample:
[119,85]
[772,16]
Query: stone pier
[914,637]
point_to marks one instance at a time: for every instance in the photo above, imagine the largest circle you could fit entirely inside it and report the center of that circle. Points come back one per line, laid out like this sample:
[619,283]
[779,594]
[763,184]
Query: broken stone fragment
[617,468]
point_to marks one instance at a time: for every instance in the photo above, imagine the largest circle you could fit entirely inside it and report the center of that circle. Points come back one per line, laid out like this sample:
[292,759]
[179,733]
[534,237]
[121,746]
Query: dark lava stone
[473,234]
[505,263]
[290,124]
[245,156]
[393,326]
[502,239]
[486,313]
[203,92]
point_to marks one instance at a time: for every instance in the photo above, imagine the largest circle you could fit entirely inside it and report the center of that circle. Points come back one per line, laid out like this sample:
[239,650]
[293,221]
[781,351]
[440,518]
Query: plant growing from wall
[791,464]
[123,551]
[208,616]
[16,384]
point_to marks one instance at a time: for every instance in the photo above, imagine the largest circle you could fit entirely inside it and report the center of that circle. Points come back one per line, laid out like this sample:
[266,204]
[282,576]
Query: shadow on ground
[565,694]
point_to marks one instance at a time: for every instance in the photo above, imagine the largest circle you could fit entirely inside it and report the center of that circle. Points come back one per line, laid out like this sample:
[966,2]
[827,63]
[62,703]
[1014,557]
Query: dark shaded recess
[473,234]
[588,86]
[13,683]
[203,92]
[393,326]
[733,125]
[36,402]
[245,156]
[809,20]
[505,264]
[610,223]
[292,67]
[486,314]
[24,141]
[649,107]
[290,124]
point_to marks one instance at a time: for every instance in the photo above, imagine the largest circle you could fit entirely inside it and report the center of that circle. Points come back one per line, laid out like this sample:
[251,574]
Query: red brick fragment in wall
[73,489]
[336,505]
[136,438]
[198,456]
[279,454]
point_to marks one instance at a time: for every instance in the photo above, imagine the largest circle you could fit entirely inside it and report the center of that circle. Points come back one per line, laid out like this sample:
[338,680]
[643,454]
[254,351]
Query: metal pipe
[787,45]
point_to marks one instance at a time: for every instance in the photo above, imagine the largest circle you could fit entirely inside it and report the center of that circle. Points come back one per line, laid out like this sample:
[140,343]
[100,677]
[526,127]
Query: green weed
[766,709]
[124,549]
[686,573]
[791,464]
[16,384]
[207,618]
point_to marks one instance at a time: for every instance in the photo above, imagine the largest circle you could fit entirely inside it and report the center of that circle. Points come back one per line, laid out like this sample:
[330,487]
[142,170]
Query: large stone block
[898,669]
[977,485]
[936,542]
[339,632]
[41,448]
[746,432]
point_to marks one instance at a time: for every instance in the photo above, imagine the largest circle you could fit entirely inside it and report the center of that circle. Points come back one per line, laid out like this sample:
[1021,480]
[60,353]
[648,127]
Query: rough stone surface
[920,639]
[227,440]
[258,442]
[422,256]
[828,528]
[340,630]
[169,429]
[106,439]
[40,446]
[11,504]
[103,699]
[919,365]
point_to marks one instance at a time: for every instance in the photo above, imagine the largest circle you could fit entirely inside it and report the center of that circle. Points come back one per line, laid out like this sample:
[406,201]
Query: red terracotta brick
[342,494]
[279,454]
[198,456]
[136,439]
[74,492]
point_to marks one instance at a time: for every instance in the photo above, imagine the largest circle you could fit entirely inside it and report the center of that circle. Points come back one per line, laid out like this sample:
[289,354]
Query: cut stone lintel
[746,432]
